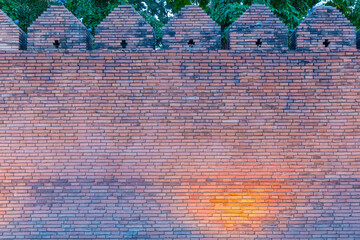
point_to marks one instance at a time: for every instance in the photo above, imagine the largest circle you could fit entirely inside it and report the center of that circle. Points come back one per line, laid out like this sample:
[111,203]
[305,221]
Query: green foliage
[176,5]
[291,12]
[156,13]
[25,11]
[92,12]
[225,12]
[350,8]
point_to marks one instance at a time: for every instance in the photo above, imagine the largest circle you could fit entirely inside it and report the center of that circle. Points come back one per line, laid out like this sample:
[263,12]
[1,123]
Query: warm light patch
[242,205]
[240,208]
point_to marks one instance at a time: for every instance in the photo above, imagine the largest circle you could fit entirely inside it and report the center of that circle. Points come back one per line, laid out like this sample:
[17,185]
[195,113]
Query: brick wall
[171,144]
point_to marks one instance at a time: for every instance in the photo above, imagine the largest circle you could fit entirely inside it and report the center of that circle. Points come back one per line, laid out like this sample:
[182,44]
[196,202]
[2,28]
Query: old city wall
[260,141]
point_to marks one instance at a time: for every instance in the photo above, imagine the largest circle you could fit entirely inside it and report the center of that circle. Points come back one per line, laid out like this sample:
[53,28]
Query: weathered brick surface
[258,28]
[11,36]
[191,23]
[324,23]
[58,24]
[124,24]
[173,144]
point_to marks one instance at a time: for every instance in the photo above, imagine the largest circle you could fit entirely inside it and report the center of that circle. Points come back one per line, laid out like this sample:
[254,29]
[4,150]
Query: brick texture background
[169,144]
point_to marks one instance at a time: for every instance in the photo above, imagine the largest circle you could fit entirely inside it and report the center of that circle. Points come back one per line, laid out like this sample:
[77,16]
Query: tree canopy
[159,12]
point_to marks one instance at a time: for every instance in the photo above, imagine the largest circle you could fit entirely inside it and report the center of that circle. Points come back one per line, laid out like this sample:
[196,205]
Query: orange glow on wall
[247,205]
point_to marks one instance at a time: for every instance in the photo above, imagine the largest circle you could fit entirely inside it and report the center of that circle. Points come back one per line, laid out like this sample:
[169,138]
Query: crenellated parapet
[324,28]
[124,28]
[191,29]
[58,28]
[11,36]
[258,28]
